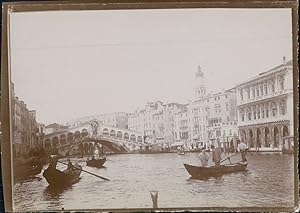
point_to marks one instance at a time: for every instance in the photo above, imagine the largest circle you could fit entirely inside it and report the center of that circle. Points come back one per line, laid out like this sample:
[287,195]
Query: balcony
[263,97]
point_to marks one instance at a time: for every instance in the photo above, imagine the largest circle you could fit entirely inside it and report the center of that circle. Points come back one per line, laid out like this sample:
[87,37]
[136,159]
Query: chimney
[284,60]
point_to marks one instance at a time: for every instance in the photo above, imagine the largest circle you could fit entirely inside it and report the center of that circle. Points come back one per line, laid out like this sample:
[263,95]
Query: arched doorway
[251,142]
[267,137]
[285,131]
[276,137]
[258,138]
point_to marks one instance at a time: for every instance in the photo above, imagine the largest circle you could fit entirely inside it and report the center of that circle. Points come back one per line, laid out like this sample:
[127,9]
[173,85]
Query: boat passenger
[70,165]
[242,148]
[204,158]
[216,155]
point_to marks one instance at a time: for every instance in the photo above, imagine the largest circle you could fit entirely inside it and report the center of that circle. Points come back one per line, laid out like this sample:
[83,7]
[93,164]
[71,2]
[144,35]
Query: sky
[69,64]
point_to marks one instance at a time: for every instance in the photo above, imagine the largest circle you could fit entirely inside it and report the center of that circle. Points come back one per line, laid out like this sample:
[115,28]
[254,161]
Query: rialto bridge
[86,136]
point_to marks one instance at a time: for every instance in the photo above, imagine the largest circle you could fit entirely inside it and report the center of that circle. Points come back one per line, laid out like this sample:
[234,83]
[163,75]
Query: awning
[178,143]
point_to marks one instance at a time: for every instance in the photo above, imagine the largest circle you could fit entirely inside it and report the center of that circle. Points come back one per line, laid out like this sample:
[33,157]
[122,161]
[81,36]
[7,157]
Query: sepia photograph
[151,109]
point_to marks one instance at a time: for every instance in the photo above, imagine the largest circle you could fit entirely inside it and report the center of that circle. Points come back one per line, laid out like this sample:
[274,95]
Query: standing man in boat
[96,153]
[242,148]
[216,155]
[204,158]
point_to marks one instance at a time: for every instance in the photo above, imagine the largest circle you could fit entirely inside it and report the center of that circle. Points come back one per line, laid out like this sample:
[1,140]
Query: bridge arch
[63,139]
[77,134]
[70,136]
[133,138]
[84,133]
[139,139]
[55,141]
[126,136]
[112,133]
[105,131]
[119,134]
[47,143]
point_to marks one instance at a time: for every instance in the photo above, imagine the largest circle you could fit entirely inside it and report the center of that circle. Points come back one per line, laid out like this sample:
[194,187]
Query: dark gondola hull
[96,162]
[198,171]
[56,178]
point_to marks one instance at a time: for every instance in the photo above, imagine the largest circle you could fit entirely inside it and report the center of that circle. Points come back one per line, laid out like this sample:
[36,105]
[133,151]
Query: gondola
[96,162]
[213,171]
[57,178]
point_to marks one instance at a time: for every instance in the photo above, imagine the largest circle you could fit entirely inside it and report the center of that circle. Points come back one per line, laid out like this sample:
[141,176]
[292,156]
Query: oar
[111,161]
[233,155]
[87,172]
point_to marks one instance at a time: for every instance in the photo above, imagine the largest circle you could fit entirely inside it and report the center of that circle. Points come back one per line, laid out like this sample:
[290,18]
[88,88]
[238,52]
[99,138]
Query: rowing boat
[57,178]
[96,162]
[213,171]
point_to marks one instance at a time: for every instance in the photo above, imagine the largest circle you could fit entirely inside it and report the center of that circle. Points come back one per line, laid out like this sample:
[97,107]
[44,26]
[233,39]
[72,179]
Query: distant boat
[96,162]
[213,171]
[57,178]
[180,152]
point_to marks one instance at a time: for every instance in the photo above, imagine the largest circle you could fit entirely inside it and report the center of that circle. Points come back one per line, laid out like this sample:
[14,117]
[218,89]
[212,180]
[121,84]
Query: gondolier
[242,148]
[216,155]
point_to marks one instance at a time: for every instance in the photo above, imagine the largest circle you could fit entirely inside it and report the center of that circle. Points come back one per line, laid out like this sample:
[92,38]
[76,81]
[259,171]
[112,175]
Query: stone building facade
[265,107]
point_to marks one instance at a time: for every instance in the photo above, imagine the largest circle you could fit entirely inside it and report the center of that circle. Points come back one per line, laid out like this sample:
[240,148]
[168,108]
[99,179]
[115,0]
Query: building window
[261,90]
[249,116]
[253,93]
[267,113]
[257,92]
[282,84]
[243,117]
[266,89]
[273,88]
[248,93]
[258,114]
[262,113]
[254,114]
[283,108]
[227,107]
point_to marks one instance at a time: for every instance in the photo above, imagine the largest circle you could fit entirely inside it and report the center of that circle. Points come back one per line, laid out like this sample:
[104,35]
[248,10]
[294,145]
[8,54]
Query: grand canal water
[268,182]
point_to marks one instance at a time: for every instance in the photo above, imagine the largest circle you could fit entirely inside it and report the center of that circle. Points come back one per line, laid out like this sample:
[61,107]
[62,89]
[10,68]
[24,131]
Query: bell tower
[200,88]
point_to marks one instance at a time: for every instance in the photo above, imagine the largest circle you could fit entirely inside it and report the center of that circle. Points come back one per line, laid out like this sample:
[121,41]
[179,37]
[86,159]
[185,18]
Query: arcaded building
[265,107]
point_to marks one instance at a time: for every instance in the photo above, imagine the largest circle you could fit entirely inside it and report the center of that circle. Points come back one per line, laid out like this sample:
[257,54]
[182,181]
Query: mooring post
[154,197]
